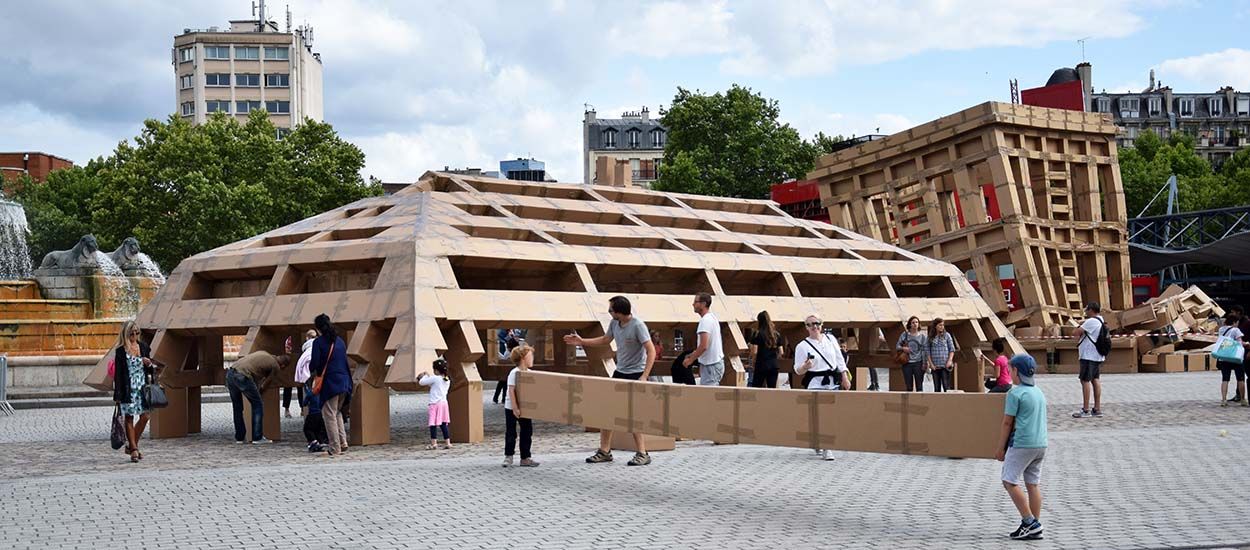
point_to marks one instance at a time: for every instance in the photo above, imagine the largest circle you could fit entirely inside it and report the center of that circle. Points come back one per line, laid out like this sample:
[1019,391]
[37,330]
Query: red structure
[1065,95]
[37,165]
[801,199]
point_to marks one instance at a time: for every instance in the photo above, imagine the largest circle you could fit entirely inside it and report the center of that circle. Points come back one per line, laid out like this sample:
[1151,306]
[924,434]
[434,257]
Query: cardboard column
[371,400]
[271,422]
[194,408]
[464,348]
[173,351]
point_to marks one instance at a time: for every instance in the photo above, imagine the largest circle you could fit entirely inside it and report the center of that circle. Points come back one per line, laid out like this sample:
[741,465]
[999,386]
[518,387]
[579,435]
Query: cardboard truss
[938,424]
[427,271]
[996,185]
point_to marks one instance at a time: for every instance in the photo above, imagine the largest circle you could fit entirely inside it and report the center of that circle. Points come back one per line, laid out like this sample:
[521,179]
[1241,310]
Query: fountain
[14,254]
[58,319]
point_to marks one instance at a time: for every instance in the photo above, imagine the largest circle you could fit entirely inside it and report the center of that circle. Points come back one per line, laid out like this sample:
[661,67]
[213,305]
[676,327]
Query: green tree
[182,189]
[730,144]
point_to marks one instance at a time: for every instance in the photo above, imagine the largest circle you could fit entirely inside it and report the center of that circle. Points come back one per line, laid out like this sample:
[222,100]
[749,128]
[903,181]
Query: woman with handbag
[913,342]
[132,365]
[1229,367]
[332,381]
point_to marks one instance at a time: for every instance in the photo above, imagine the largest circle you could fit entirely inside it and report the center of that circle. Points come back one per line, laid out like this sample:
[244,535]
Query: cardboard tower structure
[998,185]
[429,270]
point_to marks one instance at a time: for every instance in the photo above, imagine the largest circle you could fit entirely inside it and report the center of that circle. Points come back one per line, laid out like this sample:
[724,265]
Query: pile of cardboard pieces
[1168,333]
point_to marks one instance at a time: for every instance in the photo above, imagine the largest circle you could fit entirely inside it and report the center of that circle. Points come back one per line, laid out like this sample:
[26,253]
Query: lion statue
[82,255]
[127,255]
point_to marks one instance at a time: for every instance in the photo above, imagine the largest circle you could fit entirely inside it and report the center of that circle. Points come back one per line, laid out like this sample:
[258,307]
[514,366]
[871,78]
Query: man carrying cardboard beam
[635,354]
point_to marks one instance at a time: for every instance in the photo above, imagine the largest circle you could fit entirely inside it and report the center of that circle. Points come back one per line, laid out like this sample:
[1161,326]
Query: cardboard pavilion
[998,185]
[432,269]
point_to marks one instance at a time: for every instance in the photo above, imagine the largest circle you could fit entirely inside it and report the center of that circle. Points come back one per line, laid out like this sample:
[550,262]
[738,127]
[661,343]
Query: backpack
[1103,343]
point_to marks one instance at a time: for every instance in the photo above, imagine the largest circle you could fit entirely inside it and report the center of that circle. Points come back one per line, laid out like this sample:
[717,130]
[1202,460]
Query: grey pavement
[1161,470]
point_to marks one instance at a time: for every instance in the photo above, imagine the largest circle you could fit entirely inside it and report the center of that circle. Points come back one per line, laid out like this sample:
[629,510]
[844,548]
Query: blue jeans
[239,387]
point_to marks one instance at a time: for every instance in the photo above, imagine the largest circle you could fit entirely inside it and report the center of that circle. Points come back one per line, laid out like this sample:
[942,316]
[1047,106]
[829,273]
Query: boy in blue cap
[1022,447]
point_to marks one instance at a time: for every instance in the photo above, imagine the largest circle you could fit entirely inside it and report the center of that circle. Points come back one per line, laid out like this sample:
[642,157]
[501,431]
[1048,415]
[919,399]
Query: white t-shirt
[507,394]
[831,352]
[1090,330]
[438,387]
[715,350]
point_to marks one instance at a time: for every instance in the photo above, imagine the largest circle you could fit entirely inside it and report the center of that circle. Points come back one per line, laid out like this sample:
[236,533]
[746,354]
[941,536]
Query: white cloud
[1211,71]
[674,29]
[28,128]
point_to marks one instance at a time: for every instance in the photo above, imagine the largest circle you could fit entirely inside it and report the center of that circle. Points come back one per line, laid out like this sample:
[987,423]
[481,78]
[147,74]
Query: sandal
[134,456]
[430,447]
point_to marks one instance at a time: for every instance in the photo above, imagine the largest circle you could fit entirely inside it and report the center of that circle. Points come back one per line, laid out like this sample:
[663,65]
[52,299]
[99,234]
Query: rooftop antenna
[288,18]
[1081,41]
[258,9]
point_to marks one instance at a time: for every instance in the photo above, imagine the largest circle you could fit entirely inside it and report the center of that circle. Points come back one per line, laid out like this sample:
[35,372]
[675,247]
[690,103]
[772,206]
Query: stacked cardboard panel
[937,424]
[428,271]
[996,185]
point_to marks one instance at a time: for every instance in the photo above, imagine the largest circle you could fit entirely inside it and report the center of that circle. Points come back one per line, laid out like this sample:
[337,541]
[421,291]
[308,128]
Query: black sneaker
[1081,414]
[1027,532]
[1096,413]
[599,456]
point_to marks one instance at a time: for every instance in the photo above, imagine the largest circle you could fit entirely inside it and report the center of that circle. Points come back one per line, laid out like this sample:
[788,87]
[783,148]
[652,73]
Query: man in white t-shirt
[1091,360]
[818,359]
[709,353]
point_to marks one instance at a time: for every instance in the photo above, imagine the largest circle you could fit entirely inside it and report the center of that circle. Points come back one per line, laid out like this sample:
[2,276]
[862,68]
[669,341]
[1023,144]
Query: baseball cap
[1025,367]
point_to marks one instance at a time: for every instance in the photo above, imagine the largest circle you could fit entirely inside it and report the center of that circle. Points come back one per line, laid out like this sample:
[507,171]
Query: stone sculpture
[127,255]
[81,256]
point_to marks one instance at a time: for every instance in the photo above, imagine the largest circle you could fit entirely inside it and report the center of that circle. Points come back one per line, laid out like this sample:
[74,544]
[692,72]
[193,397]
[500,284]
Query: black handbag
[154,396]
[118,436]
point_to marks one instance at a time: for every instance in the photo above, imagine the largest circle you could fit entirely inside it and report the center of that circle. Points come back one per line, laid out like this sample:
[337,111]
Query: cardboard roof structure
[997,184]
[424,272]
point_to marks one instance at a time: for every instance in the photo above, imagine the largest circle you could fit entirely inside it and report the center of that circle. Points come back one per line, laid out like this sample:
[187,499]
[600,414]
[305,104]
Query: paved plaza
[1163,469]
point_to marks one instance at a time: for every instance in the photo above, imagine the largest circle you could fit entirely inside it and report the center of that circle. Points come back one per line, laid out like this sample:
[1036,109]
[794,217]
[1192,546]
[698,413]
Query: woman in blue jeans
[913,341]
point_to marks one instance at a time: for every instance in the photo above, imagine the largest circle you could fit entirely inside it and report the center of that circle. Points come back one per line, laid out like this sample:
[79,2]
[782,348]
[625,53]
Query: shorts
[440,413]
[1089,370]
[1227,368]
[1026,463]
[711,373]
[626,375]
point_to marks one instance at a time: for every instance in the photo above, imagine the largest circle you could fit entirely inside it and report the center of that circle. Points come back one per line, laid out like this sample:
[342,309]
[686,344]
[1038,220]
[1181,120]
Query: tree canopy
[1145,168]
[182,189]
[732,144]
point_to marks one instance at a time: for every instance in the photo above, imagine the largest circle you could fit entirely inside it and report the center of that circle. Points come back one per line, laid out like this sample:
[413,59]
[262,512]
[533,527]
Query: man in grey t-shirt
[635,355]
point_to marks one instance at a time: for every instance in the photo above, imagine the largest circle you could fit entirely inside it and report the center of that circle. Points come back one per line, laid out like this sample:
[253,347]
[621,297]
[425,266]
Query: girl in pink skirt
[439,413]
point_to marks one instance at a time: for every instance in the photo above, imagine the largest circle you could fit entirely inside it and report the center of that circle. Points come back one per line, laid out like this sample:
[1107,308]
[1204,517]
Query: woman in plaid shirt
[940,357]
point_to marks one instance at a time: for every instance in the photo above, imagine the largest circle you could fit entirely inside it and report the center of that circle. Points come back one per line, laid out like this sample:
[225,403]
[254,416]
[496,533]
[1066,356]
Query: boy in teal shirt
[1022,447]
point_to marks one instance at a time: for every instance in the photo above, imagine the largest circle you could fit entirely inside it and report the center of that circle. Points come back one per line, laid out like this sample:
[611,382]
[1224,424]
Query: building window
[1104,105]
[609,138]
[1156,106]
[247,80]
[216,52]
[632,135]
[277,80]
[188,108]
[245,107]
[217,79]
[186,54]
[1130,107]
[246,52]
[283,132]
[657,138]
[1219,135]
[1131,132]
[1243,106]
[278,107]
[186,81]
[217,105]
[1215,106]
[277,52]
[1186,106]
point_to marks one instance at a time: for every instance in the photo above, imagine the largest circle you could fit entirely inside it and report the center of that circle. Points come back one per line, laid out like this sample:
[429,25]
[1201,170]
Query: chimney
[1086,73]
[590,115]
[646,115]
[1152,81]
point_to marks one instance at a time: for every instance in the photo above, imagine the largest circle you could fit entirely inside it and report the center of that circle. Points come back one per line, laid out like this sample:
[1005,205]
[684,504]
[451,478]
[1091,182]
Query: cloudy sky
[424,84]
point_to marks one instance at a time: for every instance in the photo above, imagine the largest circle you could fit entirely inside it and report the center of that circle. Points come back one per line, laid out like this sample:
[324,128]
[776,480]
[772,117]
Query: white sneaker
[262,441]
[507,462]
[827,455]
[819,452]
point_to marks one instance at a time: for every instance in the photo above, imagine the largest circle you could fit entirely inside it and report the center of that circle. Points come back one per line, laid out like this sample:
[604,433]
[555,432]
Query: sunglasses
[813,324]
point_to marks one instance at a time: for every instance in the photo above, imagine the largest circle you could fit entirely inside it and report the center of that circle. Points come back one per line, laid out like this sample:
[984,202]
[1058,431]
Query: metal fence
[5,408]
[1189,229]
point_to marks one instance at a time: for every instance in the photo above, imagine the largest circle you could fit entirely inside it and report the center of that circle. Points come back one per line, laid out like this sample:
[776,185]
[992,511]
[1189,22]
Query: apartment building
[1218,120]
[635,138]
[252,65]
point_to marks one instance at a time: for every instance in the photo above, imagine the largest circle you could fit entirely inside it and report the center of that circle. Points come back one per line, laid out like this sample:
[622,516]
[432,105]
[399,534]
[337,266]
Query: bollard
[5,407]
